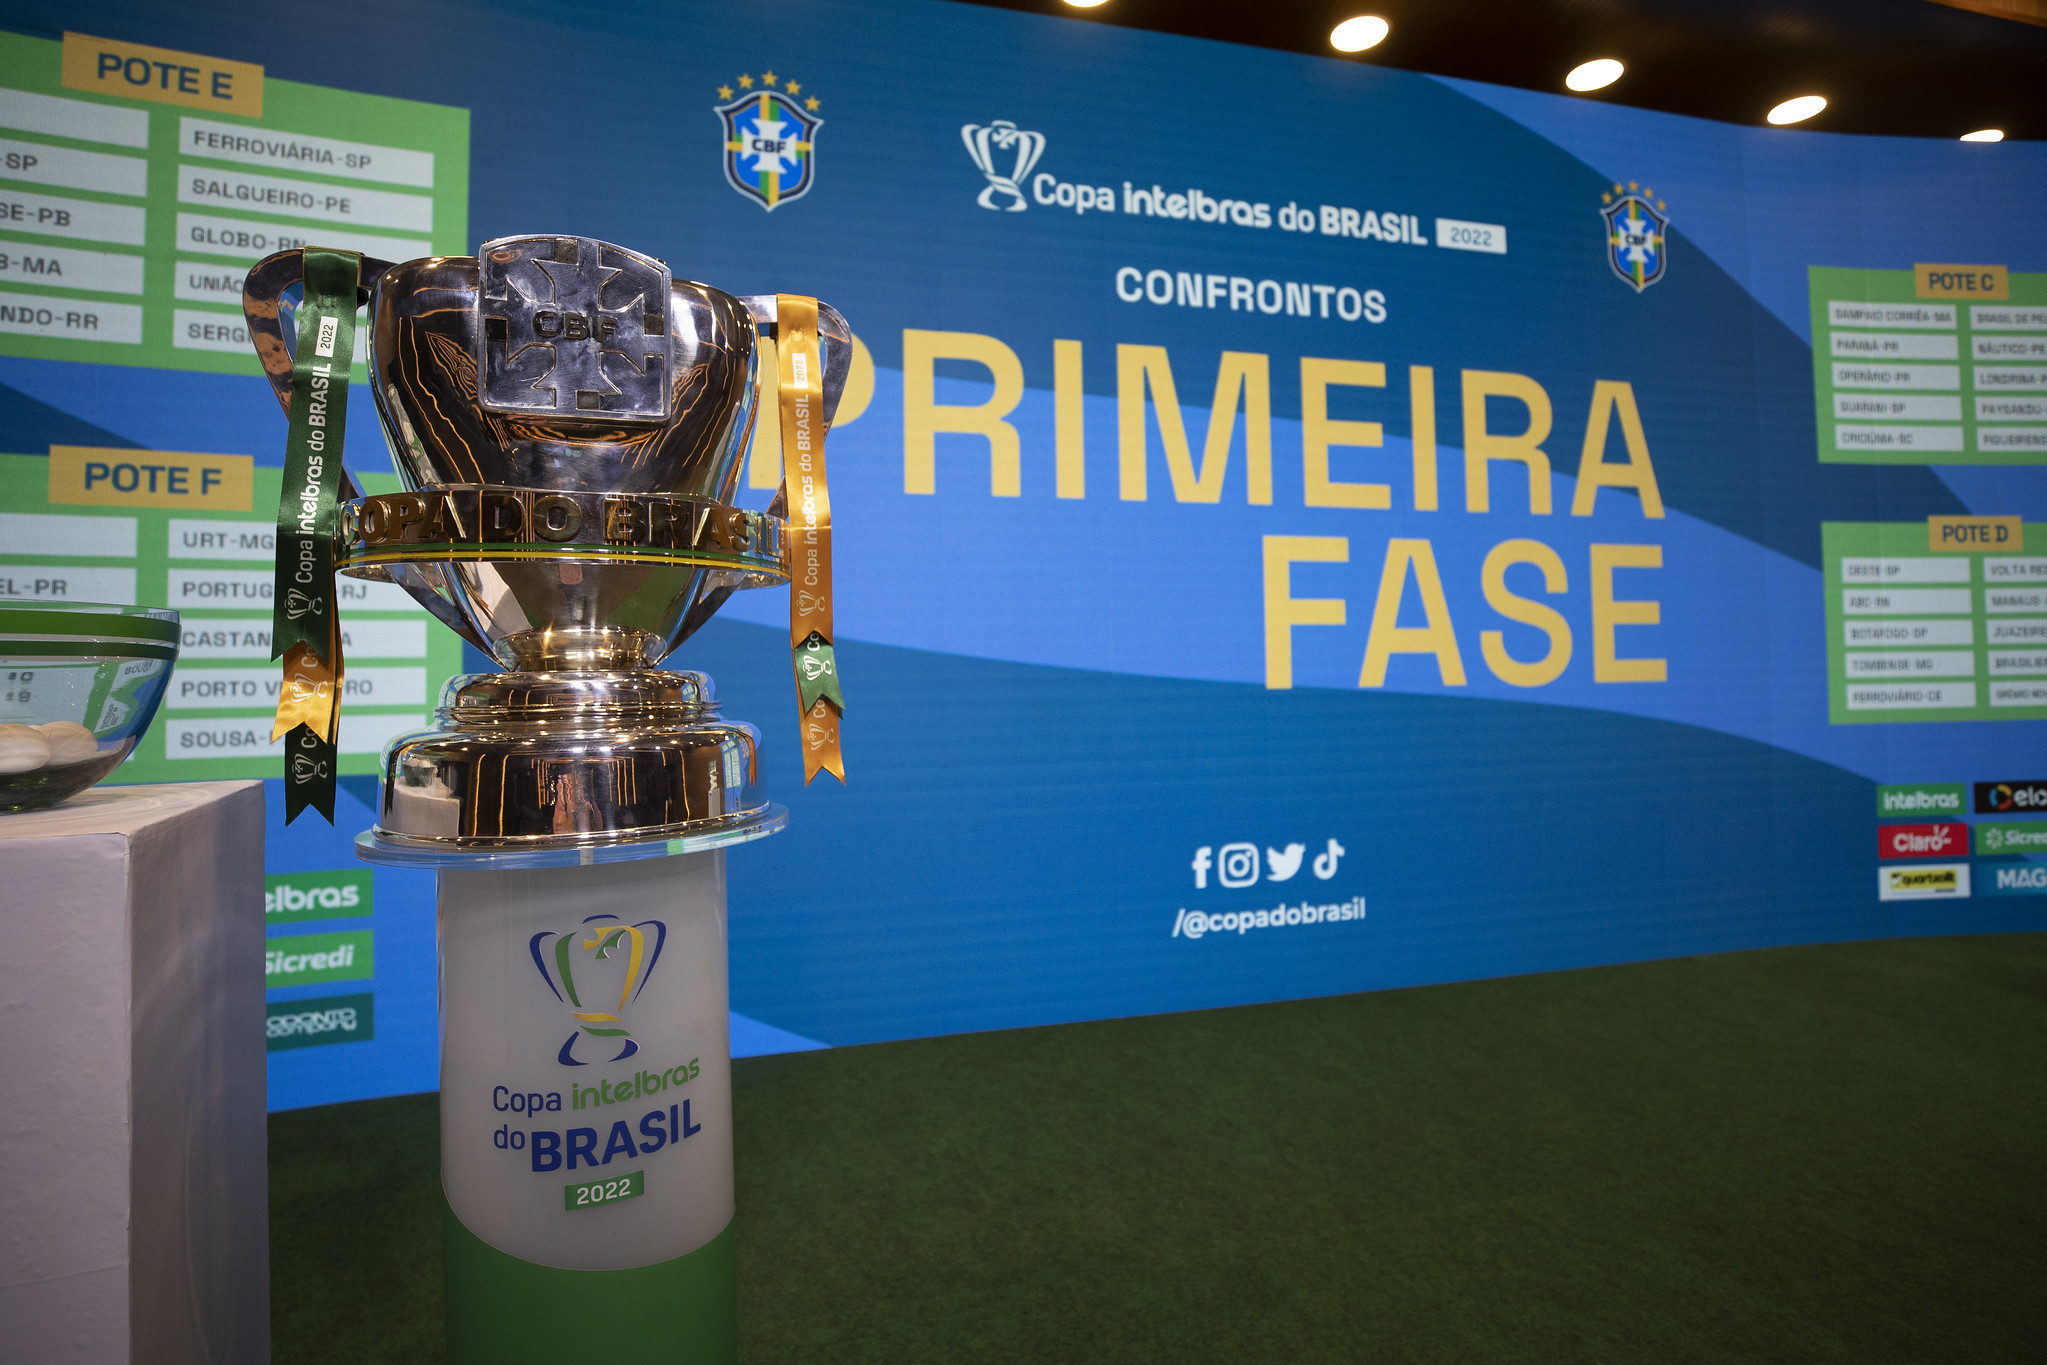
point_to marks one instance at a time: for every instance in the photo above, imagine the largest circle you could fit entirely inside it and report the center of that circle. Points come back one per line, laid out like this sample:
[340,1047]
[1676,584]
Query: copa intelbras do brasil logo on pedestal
[770,138]
[583,965]
[1635,222]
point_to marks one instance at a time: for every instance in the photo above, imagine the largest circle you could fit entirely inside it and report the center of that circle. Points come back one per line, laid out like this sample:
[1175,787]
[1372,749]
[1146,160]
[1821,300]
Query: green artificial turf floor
[1832,1153]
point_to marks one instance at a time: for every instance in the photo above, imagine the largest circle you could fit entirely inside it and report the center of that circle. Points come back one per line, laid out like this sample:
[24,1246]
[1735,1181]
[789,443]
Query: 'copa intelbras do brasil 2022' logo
[770,138]
[1635,223]
[628,959]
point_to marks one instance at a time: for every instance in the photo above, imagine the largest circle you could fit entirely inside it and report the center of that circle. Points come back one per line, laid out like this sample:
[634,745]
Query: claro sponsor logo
[1998,798]
[1922,841]
[1924,881]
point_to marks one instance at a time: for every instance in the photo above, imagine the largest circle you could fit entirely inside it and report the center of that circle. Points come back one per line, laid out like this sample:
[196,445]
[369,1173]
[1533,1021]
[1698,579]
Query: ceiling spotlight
[1355,35]
[1984,135]
[1594,75]
[1086,4]
[1798,110]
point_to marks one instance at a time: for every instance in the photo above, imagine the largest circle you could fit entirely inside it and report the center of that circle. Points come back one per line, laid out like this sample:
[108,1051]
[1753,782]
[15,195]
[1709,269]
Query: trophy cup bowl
[568,423]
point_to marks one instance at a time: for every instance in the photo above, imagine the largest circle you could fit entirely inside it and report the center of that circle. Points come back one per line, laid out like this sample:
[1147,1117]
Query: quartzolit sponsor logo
[1922,841]
[1923,882]
[1999,798]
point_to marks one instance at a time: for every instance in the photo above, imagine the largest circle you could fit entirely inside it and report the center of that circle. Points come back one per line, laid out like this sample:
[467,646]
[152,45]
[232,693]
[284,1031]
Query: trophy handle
[262,305]
[262,299]
[838,363]
[838,347]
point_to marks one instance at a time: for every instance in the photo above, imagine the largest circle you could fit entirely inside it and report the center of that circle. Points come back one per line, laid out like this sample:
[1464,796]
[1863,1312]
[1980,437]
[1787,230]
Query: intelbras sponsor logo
[1924,798]
[1999,798]
[297,896]
[1922,841]
[1923,882]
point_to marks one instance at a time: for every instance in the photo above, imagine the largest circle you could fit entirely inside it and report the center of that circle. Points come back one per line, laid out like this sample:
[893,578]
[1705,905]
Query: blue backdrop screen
[1302,527]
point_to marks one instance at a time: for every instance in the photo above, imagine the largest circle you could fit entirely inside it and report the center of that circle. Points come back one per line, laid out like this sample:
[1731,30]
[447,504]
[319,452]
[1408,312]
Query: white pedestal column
[586,1110]
[134,1218]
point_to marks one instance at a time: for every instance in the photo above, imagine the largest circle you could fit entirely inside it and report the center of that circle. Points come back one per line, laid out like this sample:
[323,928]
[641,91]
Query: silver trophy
[569,424]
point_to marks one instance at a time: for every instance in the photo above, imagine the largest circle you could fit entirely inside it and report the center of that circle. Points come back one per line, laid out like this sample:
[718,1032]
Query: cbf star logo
[1634,234]
[770,138]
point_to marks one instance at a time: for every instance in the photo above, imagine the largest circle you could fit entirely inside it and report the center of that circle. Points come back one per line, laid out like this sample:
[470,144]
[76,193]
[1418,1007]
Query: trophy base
[537,769]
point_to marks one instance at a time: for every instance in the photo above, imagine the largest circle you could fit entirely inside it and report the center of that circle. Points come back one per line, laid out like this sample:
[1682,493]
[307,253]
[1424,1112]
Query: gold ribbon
[311,691]
[808,499]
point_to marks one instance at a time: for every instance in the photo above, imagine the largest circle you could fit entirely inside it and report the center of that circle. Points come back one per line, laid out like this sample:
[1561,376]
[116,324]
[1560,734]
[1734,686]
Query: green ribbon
[817,673]
[303,607]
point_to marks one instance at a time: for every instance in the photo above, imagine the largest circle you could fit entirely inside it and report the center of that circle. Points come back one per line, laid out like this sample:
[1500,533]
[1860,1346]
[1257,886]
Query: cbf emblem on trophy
[770,138]
[1634,234]
[607,952]
[1005,154]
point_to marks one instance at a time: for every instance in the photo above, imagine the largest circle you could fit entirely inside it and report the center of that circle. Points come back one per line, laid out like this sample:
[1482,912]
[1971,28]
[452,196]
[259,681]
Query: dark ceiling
[1911,68]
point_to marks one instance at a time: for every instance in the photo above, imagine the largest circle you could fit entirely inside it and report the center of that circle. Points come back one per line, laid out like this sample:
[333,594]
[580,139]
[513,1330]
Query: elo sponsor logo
[1922,841]
[1924,881]
[1922,798]
[1998,798]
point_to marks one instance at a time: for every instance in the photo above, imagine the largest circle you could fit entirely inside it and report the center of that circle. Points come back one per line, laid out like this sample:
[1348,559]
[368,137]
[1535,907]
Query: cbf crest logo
[598,971]
[770,138]
[1635,222]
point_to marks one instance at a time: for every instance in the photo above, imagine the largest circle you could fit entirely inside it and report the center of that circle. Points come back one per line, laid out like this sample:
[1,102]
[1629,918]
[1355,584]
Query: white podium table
[134,1185]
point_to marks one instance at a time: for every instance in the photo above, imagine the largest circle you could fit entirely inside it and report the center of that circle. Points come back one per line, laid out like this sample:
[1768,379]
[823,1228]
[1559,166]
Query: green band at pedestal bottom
[505,1311]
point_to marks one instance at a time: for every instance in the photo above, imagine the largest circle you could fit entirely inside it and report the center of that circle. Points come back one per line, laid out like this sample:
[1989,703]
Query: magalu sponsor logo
[315,1023]
[1923,882]
[307,959]
[1923,798]
[2000,798]
[770,144]
[1922,841]
[2013,879]
[1237,865]
[2019,837]
[295,896]
[581,967]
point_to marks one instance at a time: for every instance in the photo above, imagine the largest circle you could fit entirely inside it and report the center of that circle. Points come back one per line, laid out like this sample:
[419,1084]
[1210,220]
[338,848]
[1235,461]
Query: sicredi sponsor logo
[2018,837]
[1923,798]
[307,959]
[1922,841]
[1997,798]
[1923,882]
[315,1023]
[2014,879]
[317,895]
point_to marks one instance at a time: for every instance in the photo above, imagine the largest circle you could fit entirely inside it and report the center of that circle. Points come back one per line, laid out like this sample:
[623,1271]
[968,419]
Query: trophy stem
[586,1112]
